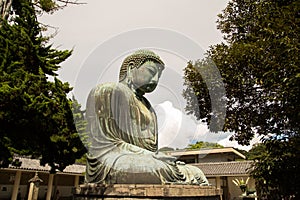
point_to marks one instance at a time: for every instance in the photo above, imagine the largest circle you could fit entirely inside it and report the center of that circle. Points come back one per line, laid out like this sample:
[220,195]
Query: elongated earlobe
[129,75]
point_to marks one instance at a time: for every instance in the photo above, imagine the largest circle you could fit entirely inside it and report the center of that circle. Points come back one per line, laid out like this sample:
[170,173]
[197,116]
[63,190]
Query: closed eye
[152,70]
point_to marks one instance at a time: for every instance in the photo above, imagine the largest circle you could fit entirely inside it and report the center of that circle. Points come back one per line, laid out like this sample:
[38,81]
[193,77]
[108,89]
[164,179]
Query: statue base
[146,192]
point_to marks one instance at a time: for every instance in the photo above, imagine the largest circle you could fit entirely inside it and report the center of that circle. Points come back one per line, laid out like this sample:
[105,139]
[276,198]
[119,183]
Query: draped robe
[122,141]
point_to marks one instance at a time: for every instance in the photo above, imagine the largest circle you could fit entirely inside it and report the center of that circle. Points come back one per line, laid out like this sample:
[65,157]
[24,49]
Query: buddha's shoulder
[110,87]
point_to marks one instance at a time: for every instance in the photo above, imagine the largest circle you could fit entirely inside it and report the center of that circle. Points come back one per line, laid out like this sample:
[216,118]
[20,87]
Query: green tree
[166,149]
[256,151]
[259,65]
[277,169]
[40,5]
[201,144]
[35,114]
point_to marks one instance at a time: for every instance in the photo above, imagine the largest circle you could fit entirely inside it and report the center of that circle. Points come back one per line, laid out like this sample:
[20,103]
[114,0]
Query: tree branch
[5,6]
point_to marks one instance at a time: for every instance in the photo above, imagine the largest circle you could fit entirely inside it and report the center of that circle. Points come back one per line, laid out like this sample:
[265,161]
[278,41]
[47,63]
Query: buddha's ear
[130,65]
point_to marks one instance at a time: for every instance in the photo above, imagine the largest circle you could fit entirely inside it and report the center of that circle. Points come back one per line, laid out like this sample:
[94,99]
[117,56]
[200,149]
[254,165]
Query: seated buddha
[123,133]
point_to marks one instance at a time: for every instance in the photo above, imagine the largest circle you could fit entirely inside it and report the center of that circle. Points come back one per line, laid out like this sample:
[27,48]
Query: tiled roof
[209,169]
[225,168]
[205,151]
[34,165]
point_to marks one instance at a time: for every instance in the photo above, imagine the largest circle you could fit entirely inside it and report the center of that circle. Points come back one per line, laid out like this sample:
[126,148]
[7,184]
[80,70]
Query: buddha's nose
[155,78]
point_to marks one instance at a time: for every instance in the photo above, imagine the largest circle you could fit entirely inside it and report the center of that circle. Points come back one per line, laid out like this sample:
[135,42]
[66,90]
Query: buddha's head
[141,71]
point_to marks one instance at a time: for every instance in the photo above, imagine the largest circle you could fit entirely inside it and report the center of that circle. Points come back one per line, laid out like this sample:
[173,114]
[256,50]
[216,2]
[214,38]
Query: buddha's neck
[138,93]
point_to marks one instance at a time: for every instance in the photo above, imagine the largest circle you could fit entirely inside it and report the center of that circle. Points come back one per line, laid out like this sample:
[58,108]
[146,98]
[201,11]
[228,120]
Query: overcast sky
[85,27]
[101,33]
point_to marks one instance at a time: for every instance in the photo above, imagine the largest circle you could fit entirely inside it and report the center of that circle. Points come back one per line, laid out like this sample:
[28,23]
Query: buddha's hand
[163,157]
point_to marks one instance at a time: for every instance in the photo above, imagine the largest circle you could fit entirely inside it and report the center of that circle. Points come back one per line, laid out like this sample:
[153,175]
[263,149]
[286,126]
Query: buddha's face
[145,78]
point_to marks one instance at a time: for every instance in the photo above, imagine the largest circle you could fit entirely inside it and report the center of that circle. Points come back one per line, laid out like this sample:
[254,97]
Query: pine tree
[35,114]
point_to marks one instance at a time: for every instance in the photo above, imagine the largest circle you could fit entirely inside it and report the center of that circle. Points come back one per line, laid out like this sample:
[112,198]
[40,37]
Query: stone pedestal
[146,192]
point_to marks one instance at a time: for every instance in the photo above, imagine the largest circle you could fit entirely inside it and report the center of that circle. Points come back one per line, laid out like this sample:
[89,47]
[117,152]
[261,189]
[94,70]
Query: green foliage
[195,85]
[35,114]
[259,67]
[166,149]
[80,121]
[40,6]
[47,5]
[259,64]
[205,94]
[256,151]
[201,144]
[82,160]
[277,168]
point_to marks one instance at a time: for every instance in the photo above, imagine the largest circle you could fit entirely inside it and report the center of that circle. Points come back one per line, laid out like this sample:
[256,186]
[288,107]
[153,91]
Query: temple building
[14,181]
[220,166]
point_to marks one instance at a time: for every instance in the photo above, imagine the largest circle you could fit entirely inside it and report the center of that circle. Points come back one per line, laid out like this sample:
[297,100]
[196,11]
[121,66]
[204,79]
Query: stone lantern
[34,187]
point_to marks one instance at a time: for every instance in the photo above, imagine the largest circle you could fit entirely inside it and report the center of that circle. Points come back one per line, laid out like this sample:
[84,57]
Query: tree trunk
[5,8]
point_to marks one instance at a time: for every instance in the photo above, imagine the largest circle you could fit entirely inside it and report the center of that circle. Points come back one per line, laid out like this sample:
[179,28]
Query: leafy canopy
[35,114]
[201,144]
[259,66]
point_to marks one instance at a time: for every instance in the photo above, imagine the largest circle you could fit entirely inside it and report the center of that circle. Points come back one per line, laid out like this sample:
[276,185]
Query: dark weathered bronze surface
[122,127]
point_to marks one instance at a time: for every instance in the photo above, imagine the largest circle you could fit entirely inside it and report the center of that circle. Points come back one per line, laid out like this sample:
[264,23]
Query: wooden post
[76,181]
[50,186]
[218,182]
[16,185]
[30,193]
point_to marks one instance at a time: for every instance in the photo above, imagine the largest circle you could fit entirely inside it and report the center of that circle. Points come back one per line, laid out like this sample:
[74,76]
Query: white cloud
[227,143]
[177,130]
